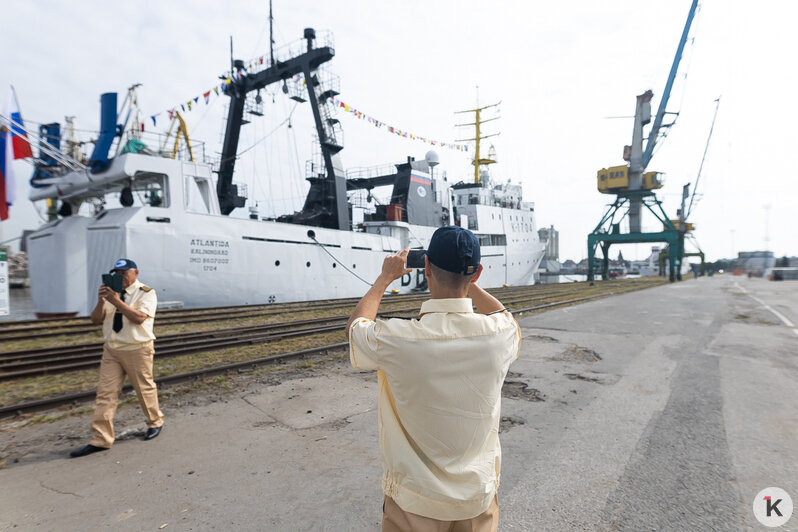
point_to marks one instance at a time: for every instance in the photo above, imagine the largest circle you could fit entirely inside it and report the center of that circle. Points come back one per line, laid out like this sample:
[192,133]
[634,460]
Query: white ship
[176,225]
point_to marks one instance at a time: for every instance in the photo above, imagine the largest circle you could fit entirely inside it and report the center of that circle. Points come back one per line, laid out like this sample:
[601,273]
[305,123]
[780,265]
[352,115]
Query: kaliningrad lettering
[209,253]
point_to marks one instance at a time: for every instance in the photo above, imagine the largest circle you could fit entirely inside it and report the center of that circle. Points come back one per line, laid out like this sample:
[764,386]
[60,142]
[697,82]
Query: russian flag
[19,139]
[13,145]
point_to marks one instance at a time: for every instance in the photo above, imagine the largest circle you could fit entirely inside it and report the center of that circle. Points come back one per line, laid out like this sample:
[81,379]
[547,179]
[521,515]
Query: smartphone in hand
[113,281]
[415,258]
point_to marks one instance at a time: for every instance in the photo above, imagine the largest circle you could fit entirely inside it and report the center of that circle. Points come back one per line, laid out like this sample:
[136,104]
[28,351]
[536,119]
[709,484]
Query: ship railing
[329,84]
[368,172]
[289,51]
[241,189]
[333,131]
[161,145]
[367,199]
[296,90]
[315,167]
[325,83]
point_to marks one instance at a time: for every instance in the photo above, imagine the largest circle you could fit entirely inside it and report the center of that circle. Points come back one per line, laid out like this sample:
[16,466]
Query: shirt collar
[133,287]
[458,304]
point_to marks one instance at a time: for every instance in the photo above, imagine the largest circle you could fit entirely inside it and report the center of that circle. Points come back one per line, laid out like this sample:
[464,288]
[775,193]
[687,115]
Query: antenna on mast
[271,34]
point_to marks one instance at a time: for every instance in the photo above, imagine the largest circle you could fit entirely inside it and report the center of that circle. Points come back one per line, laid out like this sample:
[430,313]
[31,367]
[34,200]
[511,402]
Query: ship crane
[182,131]
[634,187]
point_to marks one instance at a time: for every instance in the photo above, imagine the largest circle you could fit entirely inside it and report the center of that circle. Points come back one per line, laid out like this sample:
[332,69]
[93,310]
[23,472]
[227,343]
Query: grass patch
[46,418]
[20,390]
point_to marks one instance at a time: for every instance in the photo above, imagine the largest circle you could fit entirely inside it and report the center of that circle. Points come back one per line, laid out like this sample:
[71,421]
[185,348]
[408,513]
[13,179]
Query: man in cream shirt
[440,377]
[128,350]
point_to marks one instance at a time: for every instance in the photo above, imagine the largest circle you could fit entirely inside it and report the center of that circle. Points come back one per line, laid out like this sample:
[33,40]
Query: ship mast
[326,204]
[477,123]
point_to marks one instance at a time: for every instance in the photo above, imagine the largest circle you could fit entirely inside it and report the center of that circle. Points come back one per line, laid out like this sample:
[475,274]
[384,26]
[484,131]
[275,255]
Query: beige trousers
[394,519]
[114,365]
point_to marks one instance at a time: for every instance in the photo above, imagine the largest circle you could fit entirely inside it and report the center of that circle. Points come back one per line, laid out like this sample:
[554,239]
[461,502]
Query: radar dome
[432,158]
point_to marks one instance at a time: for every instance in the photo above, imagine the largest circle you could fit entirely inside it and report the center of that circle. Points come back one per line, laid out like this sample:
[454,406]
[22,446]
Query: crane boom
[663,103]
[703,158]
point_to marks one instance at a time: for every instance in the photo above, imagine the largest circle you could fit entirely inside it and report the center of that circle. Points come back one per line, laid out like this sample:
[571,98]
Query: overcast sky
[559,69]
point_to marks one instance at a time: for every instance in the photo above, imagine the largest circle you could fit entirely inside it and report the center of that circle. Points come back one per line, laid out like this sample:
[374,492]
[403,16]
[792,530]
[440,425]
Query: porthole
[334,265]
[354,266]
[277,263]
[307,264]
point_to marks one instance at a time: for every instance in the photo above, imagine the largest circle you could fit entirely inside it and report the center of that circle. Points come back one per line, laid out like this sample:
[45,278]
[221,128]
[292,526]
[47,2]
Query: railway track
[84,326]
[40,329]
[33,362]
[55,360]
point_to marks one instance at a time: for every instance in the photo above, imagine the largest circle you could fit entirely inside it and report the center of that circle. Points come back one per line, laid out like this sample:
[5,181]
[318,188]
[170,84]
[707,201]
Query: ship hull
[195,260]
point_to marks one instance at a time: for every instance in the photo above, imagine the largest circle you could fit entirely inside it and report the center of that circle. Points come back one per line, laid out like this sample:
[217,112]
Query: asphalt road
[667,409]
[693,411]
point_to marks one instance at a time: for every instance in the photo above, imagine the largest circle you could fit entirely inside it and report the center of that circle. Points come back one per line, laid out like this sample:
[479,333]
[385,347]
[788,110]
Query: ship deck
[667,408]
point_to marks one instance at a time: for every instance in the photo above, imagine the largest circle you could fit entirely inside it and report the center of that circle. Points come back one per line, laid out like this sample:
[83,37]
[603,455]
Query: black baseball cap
[454,249]
[124,264]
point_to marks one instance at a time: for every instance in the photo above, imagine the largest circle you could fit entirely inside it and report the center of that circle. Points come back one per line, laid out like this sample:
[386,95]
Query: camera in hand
[415,258]
[113,281]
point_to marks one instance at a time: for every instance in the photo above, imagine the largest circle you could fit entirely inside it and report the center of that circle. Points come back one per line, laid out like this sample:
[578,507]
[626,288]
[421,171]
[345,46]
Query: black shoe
[153,433]
[83,451]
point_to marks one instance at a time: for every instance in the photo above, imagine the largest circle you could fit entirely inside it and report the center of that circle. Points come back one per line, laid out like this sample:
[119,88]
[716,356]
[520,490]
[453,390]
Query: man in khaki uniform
[128,350]
[440,378]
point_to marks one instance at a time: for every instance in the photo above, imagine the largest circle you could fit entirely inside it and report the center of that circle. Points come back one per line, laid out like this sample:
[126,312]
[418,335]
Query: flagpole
[16,100]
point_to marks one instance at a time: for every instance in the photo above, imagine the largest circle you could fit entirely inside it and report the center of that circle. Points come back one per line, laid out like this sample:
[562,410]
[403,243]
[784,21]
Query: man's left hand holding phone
[111,287]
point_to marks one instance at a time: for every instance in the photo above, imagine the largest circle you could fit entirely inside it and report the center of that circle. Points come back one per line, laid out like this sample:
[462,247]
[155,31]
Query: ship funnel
[108,131]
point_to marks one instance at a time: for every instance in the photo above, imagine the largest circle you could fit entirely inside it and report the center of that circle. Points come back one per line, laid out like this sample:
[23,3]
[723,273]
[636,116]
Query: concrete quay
[664,409]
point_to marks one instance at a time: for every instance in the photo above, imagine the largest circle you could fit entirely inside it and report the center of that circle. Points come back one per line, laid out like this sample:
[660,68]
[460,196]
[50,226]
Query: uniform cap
[454,249]
[124,264]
